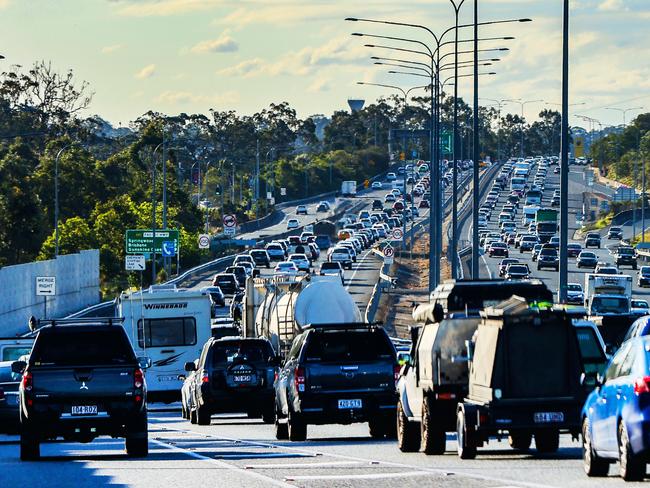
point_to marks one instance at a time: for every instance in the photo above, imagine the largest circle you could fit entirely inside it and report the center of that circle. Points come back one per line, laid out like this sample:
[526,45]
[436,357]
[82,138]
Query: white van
[518,183]
[529,214]
[170,326]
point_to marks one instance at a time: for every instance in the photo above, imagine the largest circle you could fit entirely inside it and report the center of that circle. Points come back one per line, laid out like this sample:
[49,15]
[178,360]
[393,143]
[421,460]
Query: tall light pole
[475,158]
[522,103]
[624,111]
[564,153]
[56,199]
[153,212]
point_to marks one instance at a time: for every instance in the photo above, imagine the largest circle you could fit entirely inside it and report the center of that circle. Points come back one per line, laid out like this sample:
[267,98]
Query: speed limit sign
[204,241]
[397,234]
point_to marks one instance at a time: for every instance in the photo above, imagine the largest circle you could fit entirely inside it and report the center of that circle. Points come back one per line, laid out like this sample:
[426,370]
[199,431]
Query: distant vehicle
[377,205]
[9,399]
[301,210]
[546,224]
[639,307]
[574,294]
[391,177]
[608,295]
[498,249]
[376,185]
[341,255]
[286,268]
[592,239]
[292,224]
[533,197]
[573,250]
[626,256]
[389,198]
[504,264]
[349,188]
[227,282]
[644,277]
[587,259]
[217,298]
[517,272]
[275,252]
[528,243]
[260,257]
[301,261]
[323,207]
[548,258]
[323,242]
[329,268]
[424,203]
[615,233]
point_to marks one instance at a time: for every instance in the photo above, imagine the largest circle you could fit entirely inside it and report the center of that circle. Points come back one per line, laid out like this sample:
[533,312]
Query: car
[187,393]
[338,375]
[392,176]
[548,258]
[554,242]
[217,298]
[329,268]
[9,399]
[275,251]
[292,224]
[573,249]
[99,383]
[575,294]
[376,185]
[498,249]
[517,272]
[613,417]
[227,282]
[341,255]
[626,256]
[323,242]
[377,204]
[615,233]
[424,203]
[555,201]
[240,272]
[639,307]
[535,252]
[644,277]
[286,268]
[323,207]
[301,261]
[606,269]
[389,198]
[592,239]
[503,264]
[260,257]
[556,170]
[233,375]
[528,243]
[587,259]
[243,258]
[301,210]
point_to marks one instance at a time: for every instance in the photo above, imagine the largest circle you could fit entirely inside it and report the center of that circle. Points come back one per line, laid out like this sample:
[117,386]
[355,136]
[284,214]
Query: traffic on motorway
[280,337]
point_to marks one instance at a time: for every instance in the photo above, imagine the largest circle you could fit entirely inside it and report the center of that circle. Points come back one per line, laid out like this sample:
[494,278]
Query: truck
[169,325]
[529,214]
[545,224]
[280,307]
[349,188]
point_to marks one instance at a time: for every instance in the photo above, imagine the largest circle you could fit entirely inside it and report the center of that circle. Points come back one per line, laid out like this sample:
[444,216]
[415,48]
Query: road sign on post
[134,262]
[230,231]
[45,286]
[389,254]
[168,249]
[229,221]
[204,241]
[397,234]
[283,192]
[140,241]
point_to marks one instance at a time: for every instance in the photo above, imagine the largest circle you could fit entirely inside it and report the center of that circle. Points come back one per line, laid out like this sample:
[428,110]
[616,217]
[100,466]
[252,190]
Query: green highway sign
[140,241]
[446,142]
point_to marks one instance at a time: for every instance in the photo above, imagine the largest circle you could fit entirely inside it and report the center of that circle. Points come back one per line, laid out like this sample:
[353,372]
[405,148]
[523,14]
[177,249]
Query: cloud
[146,72]
[319,85]
[162,8]
[188,98]
[224,44]
[4,4]
[111,49]
[245,69]
[612,5]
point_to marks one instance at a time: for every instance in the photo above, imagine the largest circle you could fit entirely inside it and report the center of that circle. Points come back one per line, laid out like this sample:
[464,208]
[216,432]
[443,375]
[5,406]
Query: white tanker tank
[286,309]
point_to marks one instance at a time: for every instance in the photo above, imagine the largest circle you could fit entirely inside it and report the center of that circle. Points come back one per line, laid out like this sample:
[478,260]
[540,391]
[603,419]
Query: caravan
[169,325]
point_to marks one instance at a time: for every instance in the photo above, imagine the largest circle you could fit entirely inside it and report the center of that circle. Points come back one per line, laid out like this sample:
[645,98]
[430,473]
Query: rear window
[227,351]
[180,331]
[7,376]
[60,347]
[355,346]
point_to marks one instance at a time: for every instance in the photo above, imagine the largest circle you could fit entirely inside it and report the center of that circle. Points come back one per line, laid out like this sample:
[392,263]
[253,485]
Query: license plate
[347,404]
[84,410]
[243,378]
[170,377]
[548,417]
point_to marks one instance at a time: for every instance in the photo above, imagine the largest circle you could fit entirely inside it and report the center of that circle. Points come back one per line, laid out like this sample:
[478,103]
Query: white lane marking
[374,476]
[303,466]
[486,266]
[222,464]
[357,267]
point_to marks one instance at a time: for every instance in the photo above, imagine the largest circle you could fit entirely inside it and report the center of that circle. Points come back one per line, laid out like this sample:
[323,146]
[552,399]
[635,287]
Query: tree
[74,235]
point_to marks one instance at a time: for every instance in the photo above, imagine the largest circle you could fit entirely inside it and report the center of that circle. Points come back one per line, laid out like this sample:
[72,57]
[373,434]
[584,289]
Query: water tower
[356,105]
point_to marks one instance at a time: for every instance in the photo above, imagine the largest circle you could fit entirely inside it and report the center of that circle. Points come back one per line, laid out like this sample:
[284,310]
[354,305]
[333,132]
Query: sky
[191,56]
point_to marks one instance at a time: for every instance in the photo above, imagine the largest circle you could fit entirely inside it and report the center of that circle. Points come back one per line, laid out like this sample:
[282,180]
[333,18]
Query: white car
[376,185]
[293,224]
[301,210]
[286,268]
[389,198]
[301,261]
[391,177]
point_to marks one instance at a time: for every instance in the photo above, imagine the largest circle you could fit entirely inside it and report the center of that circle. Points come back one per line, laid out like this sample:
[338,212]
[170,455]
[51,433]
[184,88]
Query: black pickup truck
[338,374]
[82,380]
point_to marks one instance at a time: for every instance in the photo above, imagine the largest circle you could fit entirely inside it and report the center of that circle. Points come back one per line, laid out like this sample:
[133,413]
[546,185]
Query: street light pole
[564,166]
[56,199]
[624,111]
[522,103]
[475,157]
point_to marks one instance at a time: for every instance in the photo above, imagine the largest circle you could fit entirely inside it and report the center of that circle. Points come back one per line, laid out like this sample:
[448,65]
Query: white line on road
[303,466]
[357,267]
[373,476]
[486,266]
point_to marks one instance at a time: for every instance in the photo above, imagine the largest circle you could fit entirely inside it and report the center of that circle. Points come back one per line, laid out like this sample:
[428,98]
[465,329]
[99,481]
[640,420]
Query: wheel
[547,441]
[520,440]
[268,415]
[137,446]
[433,440]
[465,448]
[203,416]
[183,410]
[281,430]
[408,433]
[592,464]
[632,466]
[30,447]
[193,419]
[538,267]
[297,428]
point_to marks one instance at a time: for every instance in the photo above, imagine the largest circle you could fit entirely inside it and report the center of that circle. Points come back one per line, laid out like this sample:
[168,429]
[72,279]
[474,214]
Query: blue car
[616,415]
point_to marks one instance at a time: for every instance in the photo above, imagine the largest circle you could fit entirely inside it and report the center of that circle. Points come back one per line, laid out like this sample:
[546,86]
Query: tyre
[281,430]
[592,464]
[203,416]
[408,433]
[193,418]
[433,440]
[539,267]
[30,447]
[297,428]
[466,449]
[137,446]
[632,467]
[547,441]
[520,440]
[268,415]
[184,410]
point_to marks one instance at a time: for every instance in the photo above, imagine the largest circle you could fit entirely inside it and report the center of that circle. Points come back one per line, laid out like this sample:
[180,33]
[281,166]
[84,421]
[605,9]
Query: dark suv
[82,380]
[233,375]
[548,258]
[227,282]
[626,256]
[592,240]
[337,374]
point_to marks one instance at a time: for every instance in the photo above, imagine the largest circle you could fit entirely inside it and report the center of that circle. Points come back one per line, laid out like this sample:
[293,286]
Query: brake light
[396,370]
[205,377]
[299,379]
[446,396]
[642,385]
[138,378]
[2,394]
[27,381]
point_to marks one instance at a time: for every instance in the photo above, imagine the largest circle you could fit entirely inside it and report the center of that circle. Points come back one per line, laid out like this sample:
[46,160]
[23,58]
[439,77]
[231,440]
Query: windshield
[546,226]
[354,346]
[639,304]
[517,269]
[226,352]
[82,347]
[573,287]
[609,305]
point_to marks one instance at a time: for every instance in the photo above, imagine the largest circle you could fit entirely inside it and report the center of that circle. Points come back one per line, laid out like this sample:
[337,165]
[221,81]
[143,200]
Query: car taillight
[27,381]
[2,394]
[138,378]
[299,379]
[642,385]
[396,370]
[205,377]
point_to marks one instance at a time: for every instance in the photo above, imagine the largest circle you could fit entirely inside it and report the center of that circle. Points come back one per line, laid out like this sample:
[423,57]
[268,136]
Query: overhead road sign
[140,241]
[134,262]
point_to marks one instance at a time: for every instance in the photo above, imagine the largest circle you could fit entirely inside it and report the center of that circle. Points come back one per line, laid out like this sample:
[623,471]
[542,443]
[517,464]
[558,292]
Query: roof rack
[351,325]
[35,324]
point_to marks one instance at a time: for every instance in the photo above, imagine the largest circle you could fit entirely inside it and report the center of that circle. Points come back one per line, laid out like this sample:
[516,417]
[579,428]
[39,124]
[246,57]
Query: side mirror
[144,362]
[18,367]
[190,366]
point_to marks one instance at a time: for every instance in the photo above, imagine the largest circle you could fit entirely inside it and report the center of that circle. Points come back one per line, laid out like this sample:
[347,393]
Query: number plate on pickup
[548,417]
[245,378]
[84,410]
[347,404]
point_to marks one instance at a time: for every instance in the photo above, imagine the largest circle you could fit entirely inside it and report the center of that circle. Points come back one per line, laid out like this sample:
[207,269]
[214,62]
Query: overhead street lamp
[624,111]
[522,103]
